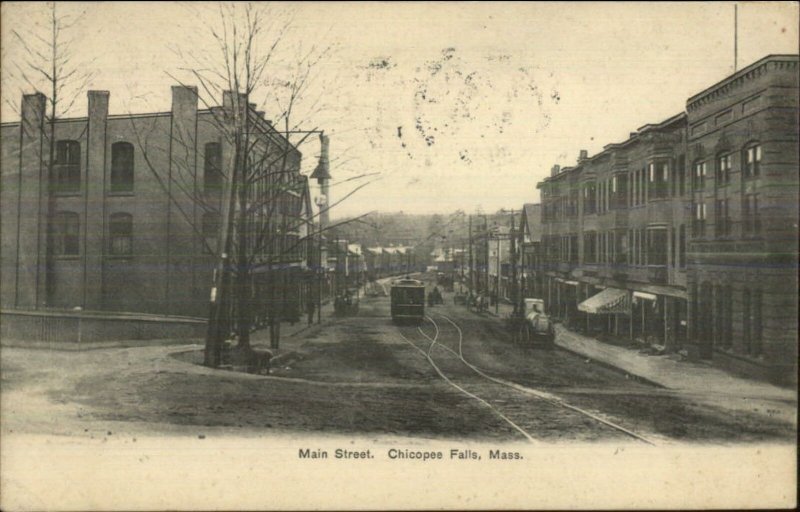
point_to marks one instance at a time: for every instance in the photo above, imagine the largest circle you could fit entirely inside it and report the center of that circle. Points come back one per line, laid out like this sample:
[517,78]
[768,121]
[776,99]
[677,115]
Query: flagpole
[735,37]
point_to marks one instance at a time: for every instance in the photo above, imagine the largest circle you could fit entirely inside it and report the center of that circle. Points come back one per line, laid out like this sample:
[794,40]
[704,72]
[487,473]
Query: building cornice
[751,72]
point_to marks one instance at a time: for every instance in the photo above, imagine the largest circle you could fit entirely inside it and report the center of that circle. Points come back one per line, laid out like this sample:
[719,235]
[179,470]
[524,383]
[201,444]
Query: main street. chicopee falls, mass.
[463,225]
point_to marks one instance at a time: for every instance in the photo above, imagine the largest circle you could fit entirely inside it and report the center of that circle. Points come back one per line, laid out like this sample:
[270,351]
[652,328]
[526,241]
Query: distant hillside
[423,230]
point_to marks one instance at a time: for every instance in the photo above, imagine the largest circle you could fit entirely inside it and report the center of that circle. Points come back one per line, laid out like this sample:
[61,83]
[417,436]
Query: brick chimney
[583,155]
[555,170]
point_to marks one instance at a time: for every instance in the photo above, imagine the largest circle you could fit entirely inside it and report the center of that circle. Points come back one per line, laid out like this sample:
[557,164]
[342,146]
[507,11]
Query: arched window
[66,234]
[210,229]
[752,160]
[122,167]
[66,177]
[121,234]
[212,168]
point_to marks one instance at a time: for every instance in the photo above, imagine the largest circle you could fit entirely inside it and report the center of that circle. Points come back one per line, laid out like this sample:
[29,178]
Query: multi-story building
[129,218]
[530,238]
[742,268]
[685,235]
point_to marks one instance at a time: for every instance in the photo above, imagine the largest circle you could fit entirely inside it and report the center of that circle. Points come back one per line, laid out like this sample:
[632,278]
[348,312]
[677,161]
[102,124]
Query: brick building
[530,239]
[685,235]
[129,220]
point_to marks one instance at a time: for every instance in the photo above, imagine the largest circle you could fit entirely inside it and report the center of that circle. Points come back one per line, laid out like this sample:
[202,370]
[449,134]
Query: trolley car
[408,301]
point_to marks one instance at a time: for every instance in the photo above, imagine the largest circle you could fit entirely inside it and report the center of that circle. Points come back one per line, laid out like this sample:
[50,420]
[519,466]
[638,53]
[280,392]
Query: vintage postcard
[399,255]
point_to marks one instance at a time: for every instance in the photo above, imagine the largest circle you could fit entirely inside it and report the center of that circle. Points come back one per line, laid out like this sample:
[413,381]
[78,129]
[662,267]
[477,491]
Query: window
[66,234]
[122,167]
[212,169]
[682,246]
[121,234]
[620,186]
[699,176]
[752,161]
[210,228]
[751,221]
[66,176]
[658,180]
[590,247]
[681,174]
[573,249]
[722,220]
[657,247]
[620,249]
[723,170]
[589,198]
[572,208]
[699,220]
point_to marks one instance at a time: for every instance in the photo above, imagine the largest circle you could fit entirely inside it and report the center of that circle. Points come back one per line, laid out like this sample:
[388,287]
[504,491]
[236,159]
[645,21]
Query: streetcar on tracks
[408,301]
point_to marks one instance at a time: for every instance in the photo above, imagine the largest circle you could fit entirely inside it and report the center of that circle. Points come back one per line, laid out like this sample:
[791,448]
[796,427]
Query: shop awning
[610,300]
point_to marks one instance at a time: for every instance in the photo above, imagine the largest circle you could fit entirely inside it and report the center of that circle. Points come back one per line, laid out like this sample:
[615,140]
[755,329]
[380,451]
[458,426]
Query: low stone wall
[54,328]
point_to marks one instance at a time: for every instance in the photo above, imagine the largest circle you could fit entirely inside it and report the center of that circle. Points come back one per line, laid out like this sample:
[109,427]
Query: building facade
[685,235]
[129,217]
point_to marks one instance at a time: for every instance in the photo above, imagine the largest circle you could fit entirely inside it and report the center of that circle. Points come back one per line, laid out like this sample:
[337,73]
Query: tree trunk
[244,320]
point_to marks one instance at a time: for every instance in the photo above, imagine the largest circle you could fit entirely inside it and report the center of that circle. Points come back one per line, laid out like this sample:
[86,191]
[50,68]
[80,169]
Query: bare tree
[264,218]
[50,65]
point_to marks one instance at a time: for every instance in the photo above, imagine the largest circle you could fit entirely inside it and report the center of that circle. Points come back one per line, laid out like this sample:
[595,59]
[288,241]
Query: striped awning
[610,300]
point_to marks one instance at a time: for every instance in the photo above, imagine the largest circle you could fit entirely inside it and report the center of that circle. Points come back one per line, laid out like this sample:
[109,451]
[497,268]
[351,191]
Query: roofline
[743,71]
[681,116]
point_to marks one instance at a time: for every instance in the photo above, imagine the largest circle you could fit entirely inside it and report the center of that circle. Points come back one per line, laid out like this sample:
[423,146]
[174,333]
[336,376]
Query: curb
[611,366]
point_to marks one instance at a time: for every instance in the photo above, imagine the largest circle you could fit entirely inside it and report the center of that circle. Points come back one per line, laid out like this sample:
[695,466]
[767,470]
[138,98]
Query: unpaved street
[459,376]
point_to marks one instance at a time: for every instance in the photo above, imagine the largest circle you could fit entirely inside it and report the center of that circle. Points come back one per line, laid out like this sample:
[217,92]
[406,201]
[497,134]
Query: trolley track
[491,386]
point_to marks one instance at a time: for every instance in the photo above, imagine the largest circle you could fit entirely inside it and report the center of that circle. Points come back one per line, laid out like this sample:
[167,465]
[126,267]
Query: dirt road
[364,376]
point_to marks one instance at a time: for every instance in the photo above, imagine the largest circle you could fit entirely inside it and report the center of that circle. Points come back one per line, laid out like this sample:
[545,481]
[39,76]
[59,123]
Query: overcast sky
[453,105]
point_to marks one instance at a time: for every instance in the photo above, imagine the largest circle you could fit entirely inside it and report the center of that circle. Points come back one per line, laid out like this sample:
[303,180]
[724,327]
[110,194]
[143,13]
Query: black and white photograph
[399,255]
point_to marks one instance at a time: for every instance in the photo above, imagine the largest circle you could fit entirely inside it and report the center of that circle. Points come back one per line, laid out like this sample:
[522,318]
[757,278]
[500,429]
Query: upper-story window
[680,175]
[752,161]
[590,247]
[699,220]
[657,246]
[658,180]
[66,176]
[722,220]
[120,229]
[699,176]
[122,167]
[724,169]
[590,198]
[212,168]
[66,234]
[619,188]
[751,224]
[572,204]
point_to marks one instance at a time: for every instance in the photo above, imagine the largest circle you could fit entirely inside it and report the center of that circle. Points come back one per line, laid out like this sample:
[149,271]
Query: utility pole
[220,300]
[735,37]
[486,253]
[471,270]
[497,284]
[514,288]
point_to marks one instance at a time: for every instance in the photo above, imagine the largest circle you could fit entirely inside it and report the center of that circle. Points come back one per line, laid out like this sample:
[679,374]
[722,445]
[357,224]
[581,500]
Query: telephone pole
[514,288]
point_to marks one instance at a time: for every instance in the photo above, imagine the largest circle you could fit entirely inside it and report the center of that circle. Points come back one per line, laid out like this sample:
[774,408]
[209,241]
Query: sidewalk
[290,341]
[666,370]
